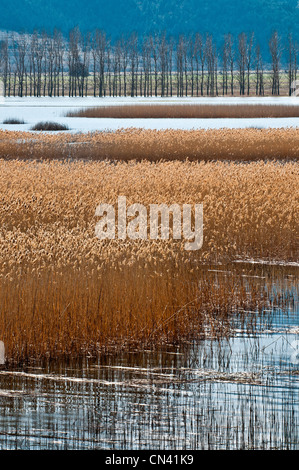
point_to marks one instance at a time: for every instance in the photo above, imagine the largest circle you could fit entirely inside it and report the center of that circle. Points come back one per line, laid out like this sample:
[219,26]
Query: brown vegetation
[62,291]
[140,144]
[188,111]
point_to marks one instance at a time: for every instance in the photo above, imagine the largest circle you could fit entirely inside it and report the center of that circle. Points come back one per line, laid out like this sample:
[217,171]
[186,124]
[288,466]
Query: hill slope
[143,16]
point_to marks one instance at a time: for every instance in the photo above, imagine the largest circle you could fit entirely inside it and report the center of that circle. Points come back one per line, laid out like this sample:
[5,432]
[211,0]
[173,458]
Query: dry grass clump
[13,121]
[62,291]
[49,126]
[188,111]
[140,144]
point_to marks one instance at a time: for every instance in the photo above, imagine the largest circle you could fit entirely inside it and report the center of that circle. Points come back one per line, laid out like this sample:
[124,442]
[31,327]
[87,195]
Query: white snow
[33,110]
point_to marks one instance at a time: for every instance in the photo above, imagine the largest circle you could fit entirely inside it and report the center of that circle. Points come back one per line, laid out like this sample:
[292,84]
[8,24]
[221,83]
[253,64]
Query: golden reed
[189,111]
[64,292]
[139,144]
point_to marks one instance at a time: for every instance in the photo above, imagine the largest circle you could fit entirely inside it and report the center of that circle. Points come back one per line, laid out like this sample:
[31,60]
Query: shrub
[13,121]
[49,126]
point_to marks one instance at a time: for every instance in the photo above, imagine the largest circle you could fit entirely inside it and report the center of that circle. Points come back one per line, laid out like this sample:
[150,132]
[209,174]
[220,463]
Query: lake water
[33,110]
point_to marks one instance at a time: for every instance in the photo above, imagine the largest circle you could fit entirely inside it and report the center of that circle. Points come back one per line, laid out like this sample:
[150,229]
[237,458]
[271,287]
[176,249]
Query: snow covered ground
[33,110]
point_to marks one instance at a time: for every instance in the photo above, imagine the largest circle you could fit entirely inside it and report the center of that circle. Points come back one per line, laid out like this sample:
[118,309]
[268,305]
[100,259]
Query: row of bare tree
[50,65]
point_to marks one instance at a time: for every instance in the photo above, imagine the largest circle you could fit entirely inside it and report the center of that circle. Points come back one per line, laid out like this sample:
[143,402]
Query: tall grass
[62,291]
[152,145]
[187,111]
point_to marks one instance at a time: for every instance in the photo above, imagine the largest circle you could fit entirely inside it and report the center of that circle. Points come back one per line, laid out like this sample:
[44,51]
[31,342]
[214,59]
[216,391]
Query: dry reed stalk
[139,144]
[62,291]
[189,111]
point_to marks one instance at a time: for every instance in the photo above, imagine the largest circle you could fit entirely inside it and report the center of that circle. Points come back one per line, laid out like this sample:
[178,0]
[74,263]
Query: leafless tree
[125,60]
[260,90]
[5,63]
[225,65]
[249,60]
[242,52]
[19,52]
[154,41]
[49,64]
[163,53]
[182,66]
[146,62]
[169,84]
[100,44]
[133,57]
[197,54]
[275,51]
[212,69]
[292,48]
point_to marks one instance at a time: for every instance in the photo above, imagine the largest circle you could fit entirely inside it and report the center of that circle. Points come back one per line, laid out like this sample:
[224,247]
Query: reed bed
[188,111]
[153,145]
[64,292]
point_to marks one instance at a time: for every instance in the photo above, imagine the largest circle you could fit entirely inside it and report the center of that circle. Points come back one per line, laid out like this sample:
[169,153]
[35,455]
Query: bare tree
[73,61]
[50,52]
[146,62]
[275,51]
[197,54]
[133,56]
[38,52]
[5,64]
[248,60]
[108,67]
[100,44]
[231,60]
[211,59]
[117,68]
[19,52]
[225,65]
[259,87]
[125,60]
[170,67]
[154,41]
[163,53]
[182,66]
[48,64]
[242,52]
[292,48]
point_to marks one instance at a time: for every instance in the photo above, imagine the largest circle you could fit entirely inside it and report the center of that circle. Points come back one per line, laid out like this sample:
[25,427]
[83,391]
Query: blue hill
[144,16]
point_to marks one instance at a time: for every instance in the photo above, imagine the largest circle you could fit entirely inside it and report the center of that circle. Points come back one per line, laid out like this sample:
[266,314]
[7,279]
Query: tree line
[83,64]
